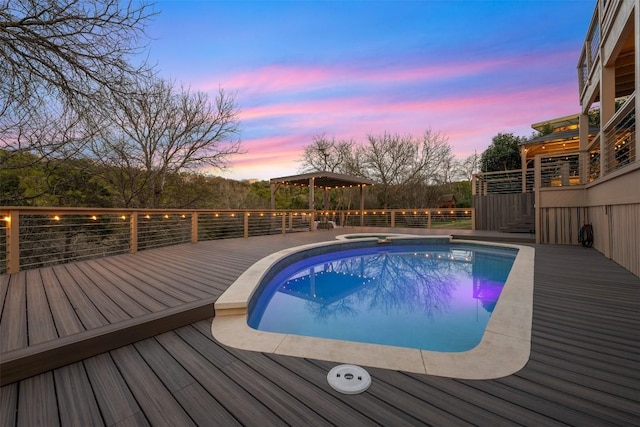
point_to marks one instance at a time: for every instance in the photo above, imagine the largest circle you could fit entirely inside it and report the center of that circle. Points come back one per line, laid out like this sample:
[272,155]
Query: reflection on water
[370,292]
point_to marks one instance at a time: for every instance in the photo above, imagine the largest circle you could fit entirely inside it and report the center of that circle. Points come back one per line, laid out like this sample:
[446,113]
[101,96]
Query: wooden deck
[120,341]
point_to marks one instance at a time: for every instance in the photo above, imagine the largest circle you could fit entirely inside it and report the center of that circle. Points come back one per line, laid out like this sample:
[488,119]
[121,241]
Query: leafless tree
[327,155]
[63,52]
[161,131]
[467,167]
[405,162]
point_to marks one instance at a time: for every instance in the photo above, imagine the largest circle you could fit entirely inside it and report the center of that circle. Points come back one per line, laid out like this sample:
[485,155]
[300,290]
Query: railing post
[393,219]
[246,225]
[473,219]
[133,232]
[194,227]
[537,182]
[284,223]
[312,221]
[290,220]
[13,241]
[429,219]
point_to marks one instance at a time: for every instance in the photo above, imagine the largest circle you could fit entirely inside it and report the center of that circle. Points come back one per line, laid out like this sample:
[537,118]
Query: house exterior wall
[611,203]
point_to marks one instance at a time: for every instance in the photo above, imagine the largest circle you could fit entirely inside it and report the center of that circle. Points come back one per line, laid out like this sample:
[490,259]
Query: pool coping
[503,350]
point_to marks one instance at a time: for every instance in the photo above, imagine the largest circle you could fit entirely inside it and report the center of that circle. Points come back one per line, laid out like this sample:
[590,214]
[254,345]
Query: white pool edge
[503,350]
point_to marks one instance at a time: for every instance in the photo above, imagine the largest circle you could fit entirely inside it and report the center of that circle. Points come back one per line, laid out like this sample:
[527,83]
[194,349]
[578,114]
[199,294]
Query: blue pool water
[435,297]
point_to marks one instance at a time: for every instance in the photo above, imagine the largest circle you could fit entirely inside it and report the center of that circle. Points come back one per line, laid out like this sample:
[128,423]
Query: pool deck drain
[349,379]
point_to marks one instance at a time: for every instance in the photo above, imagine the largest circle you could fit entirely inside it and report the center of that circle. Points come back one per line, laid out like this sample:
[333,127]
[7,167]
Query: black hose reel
[586,235]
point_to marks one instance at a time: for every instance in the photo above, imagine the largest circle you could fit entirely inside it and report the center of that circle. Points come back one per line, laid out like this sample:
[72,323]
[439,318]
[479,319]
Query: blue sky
[467,69]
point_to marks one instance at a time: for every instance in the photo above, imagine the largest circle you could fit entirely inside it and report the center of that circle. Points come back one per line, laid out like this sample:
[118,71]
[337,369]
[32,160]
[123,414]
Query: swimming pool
[428,297]
[502,350]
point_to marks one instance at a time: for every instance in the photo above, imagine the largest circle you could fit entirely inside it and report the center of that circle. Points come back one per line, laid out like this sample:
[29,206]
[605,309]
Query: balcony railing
[556,170]
[560,170]
[590,52]
[503,182]
[620,137]
[38,237]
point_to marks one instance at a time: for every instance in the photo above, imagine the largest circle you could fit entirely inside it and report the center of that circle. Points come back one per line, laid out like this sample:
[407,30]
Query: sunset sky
[467,69]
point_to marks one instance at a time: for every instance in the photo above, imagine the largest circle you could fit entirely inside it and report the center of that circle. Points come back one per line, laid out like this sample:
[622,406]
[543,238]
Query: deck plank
[164,281]
[37,404]
[40,322]
[200,405]
[258,385]
[244,407]
[183,274]
[324,405]
[121,268]
[13,324]
[158,405]
[71,383]
[128,297]
[85,310]
[4,287]
[115,400]
[8,404]
[64,315]
[111,311]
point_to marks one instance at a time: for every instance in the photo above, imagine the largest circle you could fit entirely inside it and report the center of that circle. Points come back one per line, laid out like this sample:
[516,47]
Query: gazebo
[324,180]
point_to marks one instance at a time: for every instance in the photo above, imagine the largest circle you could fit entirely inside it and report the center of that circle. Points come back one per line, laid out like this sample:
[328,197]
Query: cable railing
[433,218]
[503,182]
[620,137]
[560,170]
[590,52]
[33,237]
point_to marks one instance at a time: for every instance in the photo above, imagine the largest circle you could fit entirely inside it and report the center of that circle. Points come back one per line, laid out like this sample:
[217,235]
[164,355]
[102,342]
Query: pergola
[323,180]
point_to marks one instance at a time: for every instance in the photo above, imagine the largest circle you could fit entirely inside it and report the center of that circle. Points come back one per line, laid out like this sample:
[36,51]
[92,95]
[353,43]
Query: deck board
[127,296]
[584,367]
[200,405]
[72,381]
[13,324]
[4,287]
[8,404]
[156,401]
[163,280]
[116,402]
[167,295]
[242,406]
[111,311]
[88,314]
[65,317]
[37,402]
[40,325]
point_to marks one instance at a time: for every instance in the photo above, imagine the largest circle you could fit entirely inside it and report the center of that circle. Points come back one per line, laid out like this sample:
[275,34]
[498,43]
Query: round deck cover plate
[349,379]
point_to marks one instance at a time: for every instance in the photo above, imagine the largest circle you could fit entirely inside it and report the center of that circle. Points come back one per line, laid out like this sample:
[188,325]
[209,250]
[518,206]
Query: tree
[402,164]
[503,153]
[160,131]
[65,51]
[327,155]
[467,167]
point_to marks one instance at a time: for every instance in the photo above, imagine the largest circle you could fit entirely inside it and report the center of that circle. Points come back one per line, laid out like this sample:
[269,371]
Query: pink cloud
[278,78]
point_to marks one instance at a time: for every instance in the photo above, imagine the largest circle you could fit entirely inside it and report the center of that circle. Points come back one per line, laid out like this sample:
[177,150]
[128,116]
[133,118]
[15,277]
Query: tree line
[84,123]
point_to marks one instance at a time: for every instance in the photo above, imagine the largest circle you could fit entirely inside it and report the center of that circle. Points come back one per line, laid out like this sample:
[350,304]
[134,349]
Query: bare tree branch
[66,51]
[161,131]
